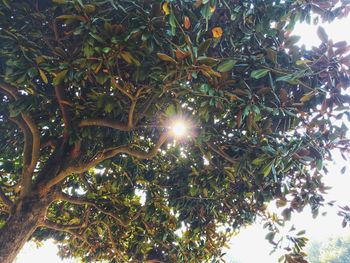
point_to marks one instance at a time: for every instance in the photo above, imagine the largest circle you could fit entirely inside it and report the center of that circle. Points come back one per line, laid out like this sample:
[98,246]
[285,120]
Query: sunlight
[179,128]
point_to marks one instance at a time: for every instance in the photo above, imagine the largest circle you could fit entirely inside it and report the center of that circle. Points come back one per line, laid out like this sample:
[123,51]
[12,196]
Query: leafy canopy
[90,88]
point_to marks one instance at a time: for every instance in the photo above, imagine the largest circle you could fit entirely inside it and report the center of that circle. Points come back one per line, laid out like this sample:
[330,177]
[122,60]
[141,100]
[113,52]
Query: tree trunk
[21,224]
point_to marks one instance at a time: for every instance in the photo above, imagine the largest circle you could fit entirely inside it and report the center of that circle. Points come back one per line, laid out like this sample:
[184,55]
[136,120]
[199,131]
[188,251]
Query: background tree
[334,250]
[90,89]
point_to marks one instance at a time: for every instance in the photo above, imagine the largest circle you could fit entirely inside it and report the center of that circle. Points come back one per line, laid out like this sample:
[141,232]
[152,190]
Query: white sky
[250,245]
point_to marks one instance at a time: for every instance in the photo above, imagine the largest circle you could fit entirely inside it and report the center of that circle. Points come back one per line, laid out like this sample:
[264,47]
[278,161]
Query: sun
[179,128]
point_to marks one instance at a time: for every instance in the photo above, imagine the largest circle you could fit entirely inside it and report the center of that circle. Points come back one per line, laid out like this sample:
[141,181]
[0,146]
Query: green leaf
[300,233]
[267,169]
[172,23]
[170,111]
[59,1]
[285,78]
[58,79]
[72,17]
[203,47]
[108,108]
[226,65]
[258,161]
[7,3]
[321,33]
[257,74]
[43,76]
[208,61]
[106,50]
[99,230]
[319,164]
[97,37]
[287,213]
[292,40]
[343,170]
[270,236]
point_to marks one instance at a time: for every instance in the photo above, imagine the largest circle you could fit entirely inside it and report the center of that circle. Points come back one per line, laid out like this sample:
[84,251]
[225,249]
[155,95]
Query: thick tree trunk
[19,227]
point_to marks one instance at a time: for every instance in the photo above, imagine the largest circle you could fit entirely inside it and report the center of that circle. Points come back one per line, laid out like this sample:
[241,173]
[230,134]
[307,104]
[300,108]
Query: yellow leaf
[98,68]
[39,60]
[72,17]
[212,9]
[165,57]
[89,9]
[43,76]
[307,96]
[126,56]
[166,8]
[302,62]
[217,32]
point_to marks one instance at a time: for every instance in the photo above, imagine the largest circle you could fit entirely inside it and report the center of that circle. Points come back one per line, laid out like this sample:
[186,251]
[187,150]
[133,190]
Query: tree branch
[31,140]
[83,223]
[115,124]
[86,183]
[65,114]
[13,93]
[131,121]
[222,153]
[104,123]
[26,176]
[49,142]
[84,201]
[100,157]
[58,227]
[110,235]
[9,90]
[36,141]
[120,88]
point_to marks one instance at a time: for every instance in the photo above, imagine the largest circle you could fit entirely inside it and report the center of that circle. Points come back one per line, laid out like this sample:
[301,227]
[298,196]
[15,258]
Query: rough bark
[21,224]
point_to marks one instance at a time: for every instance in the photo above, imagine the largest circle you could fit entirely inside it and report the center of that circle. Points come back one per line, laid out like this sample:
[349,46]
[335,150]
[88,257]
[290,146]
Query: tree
[90,89]
[335,250]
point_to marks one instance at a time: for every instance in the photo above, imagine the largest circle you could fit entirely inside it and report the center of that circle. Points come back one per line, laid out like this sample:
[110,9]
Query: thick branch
[105,123]
[86,183]
[5,199]
[49,142]
[222,153]
[13,93]
[110,235]
[31,134]
[100,157]
[59,227]
[85,201]
[36,141]
[27,148]
[83,223]
[9,90]
[113,123]
[65,114]
[120,88]
[26,179]
[131,119]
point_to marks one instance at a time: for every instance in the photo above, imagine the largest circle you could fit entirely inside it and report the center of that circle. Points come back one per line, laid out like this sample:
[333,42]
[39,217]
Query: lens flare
[179,129]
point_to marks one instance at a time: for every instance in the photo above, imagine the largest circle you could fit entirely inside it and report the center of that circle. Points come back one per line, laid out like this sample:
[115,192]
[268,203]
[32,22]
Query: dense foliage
[90,88]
